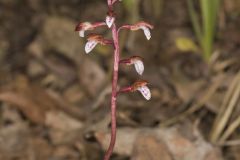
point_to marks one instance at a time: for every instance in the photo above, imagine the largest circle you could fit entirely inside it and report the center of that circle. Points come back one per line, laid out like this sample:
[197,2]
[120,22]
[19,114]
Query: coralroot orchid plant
[95,39]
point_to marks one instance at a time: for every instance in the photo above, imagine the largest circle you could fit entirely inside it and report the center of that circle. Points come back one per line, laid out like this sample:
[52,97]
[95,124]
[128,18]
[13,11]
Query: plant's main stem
[114,93]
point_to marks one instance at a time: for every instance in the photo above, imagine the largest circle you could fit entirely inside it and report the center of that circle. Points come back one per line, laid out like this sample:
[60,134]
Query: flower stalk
[114,93]
[95,39]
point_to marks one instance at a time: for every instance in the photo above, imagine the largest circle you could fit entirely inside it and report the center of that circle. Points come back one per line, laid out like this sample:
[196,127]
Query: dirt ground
[55,99]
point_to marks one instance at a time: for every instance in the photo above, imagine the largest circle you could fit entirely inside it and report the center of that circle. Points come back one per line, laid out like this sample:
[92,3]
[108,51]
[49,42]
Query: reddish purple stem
[115,42]
[126,89]
[114,93]
[125,61]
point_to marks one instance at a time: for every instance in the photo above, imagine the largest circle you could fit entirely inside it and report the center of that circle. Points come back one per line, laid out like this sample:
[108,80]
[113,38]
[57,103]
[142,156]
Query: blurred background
[55,99]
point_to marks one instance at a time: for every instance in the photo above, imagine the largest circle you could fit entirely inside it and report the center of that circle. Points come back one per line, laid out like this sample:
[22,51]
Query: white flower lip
[90,46]
[109,21]
[139,66]
[141,25]
[145,92]
[81,33]
[146,32]
[82,27]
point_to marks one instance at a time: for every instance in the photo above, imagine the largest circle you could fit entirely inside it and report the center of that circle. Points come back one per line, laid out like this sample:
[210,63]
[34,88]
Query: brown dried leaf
[26,105]
[179,146]
[91,76]
[60,120]
[13,140]
[35,102]
[149,147]
[125,140]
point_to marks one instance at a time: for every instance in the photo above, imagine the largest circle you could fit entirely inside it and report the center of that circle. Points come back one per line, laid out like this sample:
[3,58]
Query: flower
[110,19]
[109,2]
[93,40]
[137,61]
[82,27]
[145,27]
[141,86]
[141,25]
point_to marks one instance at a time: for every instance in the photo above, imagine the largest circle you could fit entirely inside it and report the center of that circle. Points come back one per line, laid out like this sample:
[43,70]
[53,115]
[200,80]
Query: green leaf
[185,44]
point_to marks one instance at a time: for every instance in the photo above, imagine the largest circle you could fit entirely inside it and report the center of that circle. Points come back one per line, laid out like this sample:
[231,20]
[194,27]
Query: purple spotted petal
[145,92]
[138,64]
[90,45]
[109,21]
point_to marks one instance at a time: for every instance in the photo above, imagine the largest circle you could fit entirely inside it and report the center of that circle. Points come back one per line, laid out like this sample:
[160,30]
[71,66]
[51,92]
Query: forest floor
[55,99]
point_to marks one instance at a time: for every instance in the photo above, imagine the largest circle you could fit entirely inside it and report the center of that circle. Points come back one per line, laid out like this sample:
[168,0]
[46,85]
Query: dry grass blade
[230,143]
[207,95]
[226,109]
[220,66]
[233,126]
